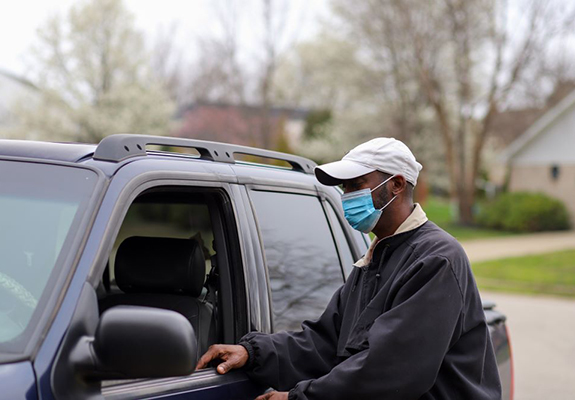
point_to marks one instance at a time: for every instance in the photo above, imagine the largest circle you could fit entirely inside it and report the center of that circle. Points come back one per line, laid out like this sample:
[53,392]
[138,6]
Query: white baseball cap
[380,154]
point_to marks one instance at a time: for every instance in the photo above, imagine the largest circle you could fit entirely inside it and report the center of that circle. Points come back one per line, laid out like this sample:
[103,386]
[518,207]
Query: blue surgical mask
[359,209]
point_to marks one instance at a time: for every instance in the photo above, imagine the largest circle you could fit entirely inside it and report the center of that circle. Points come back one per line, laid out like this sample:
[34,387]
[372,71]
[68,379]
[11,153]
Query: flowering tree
[95,79]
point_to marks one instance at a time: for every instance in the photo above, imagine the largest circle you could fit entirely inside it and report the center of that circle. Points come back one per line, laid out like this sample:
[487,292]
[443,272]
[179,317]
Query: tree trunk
[466,202]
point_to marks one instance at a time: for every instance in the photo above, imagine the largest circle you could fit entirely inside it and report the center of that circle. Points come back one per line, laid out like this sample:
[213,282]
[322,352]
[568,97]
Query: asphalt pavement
[542,328]
[542,331]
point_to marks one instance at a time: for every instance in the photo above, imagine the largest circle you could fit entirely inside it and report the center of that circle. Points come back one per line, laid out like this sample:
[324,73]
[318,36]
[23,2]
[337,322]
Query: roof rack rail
[118,147]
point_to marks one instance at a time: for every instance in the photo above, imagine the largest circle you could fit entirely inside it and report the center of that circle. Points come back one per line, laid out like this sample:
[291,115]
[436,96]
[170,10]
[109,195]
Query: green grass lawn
[438,211]
[551,273]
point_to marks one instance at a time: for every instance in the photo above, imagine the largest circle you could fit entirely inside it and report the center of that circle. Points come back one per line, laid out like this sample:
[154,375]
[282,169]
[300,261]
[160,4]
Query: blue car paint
[44,361]
[17,381]
[235,391]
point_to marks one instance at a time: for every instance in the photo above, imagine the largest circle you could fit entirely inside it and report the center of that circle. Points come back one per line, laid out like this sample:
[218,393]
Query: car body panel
[120,183]
[18,381]
[206,384]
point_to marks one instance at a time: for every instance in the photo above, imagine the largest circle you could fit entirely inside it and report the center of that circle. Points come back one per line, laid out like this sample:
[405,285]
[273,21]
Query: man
[407,324]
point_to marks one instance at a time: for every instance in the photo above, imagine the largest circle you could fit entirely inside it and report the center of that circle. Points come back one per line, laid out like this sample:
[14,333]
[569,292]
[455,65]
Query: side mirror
[137,342]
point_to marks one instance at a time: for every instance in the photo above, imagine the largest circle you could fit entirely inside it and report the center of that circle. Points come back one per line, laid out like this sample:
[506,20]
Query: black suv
[120,263]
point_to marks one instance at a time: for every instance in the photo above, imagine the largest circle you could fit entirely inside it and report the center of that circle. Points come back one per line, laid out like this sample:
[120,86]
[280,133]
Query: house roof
[508,125]
[239,124]
[539,127]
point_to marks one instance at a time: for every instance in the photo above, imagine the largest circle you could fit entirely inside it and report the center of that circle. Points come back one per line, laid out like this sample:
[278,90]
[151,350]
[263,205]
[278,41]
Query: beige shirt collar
[415,220]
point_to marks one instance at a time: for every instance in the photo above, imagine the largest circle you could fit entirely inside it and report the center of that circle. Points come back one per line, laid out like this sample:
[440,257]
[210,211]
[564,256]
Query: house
[506,126]
[542,159]
[242,124]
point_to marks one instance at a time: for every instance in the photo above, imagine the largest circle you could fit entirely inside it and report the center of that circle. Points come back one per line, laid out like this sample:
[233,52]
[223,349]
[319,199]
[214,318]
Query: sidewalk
[520,245]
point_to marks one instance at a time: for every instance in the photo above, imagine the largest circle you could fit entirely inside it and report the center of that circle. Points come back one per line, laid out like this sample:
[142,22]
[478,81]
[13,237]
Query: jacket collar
[413,221]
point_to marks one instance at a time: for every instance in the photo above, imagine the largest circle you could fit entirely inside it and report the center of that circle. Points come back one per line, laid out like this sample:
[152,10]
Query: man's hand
[233,356]
[273,396]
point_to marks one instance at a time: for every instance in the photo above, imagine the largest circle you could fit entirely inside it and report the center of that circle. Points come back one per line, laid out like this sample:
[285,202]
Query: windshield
[40,205]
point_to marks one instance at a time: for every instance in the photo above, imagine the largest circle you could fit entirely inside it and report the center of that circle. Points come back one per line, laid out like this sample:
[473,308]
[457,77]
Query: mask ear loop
[388,203]
[383,183]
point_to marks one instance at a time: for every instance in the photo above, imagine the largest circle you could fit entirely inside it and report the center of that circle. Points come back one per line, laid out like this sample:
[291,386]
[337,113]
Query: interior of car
[164,256]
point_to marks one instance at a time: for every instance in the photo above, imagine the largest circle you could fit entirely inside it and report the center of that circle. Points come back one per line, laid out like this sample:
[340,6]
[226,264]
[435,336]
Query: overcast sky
[19,21]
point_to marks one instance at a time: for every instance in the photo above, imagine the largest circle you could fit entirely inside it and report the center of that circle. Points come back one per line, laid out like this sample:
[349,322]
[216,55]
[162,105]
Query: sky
[19,21]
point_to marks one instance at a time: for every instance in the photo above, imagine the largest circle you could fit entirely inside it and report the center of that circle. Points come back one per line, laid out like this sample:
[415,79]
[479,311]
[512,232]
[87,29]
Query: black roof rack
[116,148]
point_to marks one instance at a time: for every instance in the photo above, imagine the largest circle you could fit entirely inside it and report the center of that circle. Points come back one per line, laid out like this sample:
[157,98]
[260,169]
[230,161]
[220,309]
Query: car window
[168,220]
[39,207]
[162,255]
[345,251]
[156,270]
[302,260]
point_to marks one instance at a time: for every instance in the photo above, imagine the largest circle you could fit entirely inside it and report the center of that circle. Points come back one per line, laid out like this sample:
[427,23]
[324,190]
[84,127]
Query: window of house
[302,260]
[555,171]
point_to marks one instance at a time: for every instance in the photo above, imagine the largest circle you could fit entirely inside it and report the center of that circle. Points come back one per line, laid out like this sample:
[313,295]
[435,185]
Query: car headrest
[160,265]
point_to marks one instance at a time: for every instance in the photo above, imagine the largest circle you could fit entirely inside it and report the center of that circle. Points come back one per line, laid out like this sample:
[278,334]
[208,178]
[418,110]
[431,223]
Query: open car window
[165,256]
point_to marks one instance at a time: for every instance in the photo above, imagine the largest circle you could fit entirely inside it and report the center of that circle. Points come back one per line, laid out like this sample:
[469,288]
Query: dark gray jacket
[409,325]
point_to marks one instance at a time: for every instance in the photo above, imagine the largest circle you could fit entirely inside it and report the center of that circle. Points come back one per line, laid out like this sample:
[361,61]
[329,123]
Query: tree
[324,75]
[463,57]
[216,74]
[94,74]
[233,70]
[168,64]
[274,27]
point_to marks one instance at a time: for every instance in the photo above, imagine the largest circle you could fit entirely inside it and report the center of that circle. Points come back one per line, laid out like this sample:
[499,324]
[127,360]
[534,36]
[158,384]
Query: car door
[184,189]
[303,255]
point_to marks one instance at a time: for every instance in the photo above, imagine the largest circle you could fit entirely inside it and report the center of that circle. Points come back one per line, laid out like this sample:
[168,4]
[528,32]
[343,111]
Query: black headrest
[160,265]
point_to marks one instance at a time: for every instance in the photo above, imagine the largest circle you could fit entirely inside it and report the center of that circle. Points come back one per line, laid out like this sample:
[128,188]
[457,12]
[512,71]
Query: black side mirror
[137,342]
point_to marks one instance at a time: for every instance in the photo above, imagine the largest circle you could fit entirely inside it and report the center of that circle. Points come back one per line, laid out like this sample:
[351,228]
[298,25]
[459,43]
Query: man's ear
[398,184]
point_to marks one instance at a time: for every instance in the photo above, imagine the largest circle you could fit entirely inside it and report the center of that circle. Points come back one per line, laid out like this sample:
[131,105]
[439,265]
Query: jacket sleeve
[407,343]
[276,359]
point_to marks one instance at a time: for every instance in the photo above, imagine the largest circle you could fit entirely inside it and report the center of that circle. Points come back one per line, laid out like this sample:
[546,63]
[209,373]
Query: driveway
[542,333]
[520,245]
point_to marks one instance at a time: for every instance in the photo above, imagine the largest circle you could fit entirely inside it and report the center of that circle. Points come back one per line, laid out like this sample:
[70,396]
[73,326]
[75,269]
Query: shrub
[524,212]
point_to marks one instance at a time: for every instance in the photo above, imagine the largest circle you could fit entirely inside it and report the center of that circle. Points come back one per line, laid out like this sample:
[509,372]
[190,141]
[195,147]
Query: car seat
[164,273]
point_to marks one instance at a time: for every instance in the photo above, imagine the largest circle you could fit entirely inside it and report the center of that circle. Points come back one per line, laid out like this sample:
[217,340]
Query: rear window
[302,260]
[40,205]
[345,250]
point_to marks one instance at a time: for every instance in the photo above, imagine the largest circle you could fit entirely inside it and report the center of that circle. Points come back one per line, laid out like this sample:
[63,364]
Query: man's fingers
[224,367]
[204,360]
[213,352]
[273,395]
[232,357]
